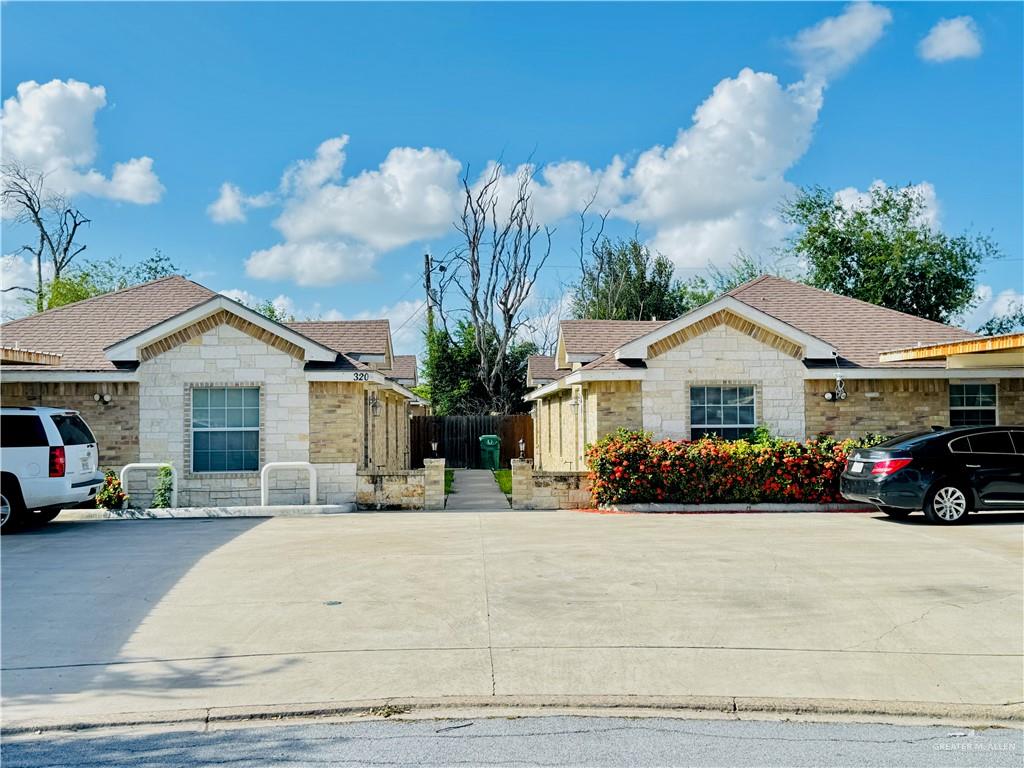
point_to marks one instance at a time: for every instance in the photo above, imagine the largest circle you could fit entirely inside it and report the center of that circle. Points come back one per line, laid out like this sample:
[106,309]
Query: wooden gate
[458,438]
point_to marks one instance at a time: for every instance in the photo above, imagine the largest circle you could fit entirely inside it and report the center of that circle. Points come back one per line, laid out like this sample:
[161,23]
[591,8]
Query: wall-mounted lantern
[433,447]
[374,406]
[522,448]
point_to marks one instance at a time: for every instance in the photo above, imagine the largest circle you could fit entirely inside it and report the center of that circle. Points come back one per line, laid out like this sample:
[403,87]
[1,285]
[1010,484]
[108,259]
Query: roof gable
[728,309]
[367,340]
[581,341]
[219,309]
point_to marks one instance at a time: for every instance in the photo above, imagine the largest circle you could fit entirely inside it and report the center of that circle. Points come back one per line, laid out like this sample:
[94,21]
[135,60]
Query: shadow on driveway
[74,593]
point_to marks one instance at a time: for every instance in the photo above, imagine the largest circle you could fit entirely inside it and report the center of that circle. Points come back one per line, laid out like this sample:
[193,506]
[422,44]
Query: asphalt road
[533,741]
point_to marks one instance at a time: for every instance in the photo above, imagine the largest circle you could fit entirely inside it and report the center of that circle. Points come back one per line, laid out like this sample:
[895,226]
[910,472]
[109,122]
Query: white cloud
[951,39]
[51,128]
[319,262]
[231,204]
[989,303]
[715,189]
[853,199]
[832,45]
[21,272]
[410,196]
[711,192]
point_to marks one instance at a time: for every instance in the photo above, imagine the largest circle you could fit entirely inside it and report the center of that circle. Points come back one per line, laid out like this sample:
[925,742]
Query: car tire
[895,512]
[947,504]
[12,507]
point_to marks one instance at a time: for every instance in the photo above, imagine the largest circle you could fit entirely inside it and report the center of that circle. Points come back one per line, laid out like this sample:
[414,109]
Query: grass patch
[449,480]
[504,478]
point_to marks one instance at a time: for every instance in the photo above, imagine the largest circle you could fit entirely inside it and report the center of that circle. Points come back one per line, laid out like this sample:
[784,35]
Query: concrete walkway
[476,490]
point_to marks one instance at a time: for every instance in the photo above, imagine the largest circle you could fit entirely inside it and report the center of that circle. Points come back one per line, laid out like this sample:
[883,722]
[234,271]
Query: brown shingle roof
[858,330]
[352,337]
[598,337]
[79,332]
[403,368]
[541,369]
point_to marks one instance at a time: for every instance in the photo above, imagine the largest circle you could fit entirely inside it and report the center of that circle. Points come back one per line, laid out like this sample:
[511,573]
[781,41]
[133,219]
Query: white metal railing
[265,472]
[155,465]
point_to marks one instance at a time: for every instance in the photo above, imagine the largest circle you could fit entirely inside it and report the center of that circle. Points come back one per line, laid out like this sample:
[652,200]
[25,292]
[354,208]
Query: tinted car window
[991,442]
[73,430]
[960,445]
[22,432]
[1018,440]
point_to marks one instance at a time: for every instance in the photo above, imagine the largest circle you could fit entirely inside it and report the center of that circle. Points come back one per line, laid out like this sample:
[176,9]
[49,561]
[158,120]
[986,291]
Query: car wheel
[895,511]
[946,505]
[12,508]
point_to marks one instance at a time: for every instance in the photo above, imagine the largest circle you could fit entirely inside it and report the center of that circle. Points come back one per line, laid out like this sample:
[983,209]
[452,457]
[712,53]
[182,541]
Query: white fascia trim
[70,376]
[583,377]
[813,346]
[361,377]
[914,373]
[129,348]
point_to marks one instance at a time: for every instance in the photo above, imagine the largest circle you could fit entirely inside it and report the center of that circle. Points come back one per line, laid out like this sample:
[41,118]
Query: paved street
[124,617]
[550,741]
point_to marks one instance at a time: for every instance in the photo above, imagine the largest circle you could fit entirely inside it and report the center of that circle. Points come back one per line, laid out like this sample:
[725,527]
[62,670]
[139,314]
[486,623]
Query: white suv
[48,460]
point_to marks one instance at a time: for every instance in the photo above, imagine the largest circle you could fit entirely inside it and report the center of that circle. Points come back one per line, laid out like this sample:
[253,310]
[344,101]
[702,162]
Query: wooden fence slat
[458,438]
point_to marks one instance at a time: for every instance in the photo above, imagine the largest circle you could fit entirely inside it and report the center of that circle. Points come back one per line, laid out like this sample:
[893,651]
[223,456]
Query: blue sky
[609,96]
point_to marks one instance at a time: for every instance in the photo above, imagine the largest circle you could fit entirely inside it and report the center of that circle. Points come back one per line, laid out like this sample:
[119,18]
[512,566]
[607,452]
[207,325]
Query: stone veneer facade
[223,356]
[724,356]
[115,424]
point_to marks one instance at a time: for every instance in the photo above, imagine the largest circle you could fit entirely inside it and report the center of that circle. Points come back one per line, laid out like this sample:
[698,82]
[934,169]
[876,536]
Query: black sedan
[945,472]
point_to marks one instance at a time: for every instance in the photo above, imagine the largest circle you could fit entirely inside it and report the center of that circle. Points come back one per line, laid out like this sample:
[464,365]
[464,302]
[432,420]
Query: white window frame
[208,430]
[994,407]
[695,428]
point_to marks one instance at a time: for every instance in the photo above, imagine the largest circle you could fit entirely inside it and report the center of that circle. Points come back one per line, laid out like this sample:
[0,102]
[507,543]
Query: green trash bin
[490,451]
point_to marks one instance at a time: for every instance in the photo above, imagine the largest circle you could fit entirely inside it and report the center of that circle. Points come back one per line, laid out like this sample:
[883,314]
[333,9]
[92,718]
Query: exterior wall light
[522,448]
[104,399]
[374,406]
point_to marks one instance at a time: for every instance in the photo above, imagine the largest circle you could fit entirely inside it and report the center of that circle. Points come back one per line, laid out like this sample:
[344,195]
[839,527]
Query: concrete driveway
[146,616]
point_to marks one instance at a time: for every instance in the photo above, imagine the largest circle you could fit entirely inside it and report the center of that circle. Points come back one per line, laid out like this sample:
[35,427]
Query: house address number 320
[360,377]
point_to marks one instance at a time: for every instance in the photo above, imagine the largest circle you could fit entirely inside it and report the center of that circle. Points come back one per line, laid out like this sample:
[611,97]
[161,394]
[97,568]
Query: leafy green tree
[98,276]
[884,251]
[1008,322]
[623,280]
[451,372]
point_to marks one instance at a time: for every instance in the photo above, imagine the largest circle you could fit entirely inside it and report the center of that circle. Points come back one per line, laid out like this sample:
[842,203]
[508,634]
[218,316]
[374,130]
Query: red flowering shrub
[628,467]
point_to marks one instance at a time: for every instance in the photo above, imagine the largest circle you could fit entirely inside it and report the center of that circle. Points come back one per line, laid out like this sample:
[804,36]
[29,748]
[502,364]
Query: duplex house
[772,352]
[170,371]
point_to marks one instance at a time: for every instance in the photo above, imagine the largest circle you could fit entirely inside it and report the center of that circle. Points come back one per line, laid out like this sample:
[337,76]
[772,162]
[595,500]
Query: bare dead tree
[494,270]
[54,218]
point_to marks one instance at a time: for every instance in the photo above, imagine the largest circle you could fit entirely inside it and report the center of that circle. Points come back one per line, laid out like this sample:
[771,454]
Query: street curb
[192,513]
[1006,715]
[739,508]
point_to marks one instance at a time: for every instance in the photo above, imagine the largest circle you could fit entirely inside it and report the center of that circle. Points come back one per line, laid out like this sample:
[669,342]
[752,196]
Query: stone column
[433,483]
[522,483]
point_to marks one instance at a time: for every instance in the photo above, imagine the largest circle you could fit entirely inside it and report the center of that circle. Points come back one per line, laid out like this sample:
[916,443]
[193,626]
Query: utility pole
[430,298]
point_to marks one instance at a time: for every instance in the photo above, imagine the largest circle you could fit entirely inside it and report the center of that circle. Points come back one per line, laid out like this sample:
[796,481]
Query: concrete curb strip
[739,507]
[1007,715]
[205,512]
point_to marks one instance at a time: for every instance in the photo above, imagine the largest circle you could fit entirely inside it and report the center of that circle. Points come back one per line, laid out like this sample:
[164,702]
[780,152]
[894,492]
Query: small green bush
[111,495]
[164,486]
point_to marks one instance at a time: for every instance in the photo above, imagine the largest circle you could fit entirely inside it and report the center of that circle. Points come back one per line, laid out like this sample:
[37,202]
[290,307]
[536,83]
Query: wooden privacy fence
[458,438]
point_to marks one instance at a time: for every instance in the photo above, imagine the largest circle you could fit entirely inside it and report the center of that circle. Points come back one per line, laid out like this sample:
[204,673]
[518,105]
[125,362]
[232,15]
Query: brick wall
[1011,401]
[882,406]
[336,427]
[398,489]
[725,356]
[115,425]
